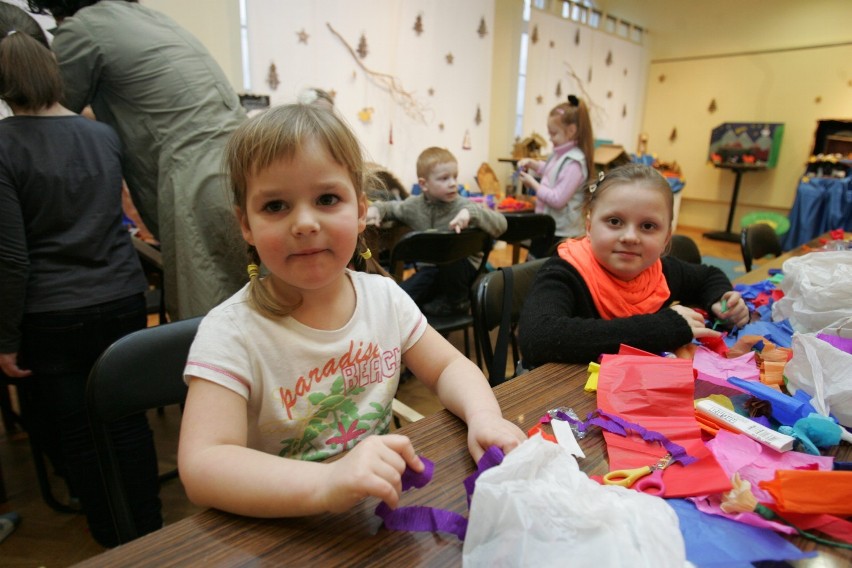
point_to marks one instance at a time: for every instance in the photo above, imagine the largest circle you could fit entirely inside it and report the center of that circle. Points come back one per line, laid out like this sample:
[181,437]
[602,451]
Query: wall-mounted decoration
[272,77]
[609,58]
[478,118]
[449,58]
[418,24]
[642,146]
[590,103]
[365,115]
[431,92]
[589,79]
[577,37]
[661,78]
[333,94]
[625,71]
[534,36]
[559,89]
[818,100]
[407,101]
[623,111]
[466,145]
[712,107]
[390,135]
[539,99]
[441,126]
[482,30]
[362,47]
[673,135]
[303,36]
[552,44]
[609,94]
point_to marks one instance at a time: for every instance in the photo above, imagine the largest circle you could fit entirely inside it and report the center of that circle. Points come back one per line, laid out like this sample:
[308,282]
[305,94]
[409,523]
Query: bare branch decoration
[406,100]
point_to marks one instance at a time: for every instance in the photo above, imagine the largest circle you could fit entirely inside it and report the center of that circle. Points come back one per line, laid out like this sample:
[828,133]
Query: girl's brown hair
[29,74]
[280,133]
[575,112]
[628,173]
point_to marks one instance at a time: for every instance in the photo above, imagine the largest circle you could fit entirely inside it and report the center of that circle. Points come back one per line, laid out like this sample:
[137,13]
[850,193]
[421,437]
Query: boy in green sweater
[440,290]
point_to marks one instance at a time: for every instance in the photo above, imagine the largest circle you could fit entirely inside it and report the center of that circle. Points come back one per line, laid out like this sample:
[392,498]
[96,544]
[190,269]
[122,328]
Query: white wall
[614,91]
[785,61]
[429,92]
[216,23]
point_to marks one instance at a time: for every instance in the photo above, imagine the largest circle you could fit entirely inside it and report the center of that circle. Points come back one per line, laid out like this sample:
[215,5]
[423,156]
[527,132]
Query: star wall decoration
[431,92]
[539,99]
[449,58]
[303,36]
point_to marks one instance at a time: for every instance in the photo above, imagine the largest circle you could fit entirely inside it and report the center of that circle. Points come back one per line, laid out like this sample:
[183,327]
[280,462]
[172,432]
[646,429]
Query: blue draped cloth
[821,205]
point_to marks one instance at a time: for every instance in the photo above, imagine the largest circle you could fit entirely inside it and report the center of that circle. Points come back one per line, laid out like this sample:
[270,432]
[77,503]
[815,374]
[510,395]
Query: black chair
[684,248]
[139,372]
[533,231]
[443,247]
[757,241]
[497,303]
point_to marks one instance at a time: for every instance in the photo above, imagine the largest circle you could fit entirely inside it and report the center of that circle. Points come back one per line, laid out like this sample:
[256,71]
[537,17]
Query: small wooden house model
[529,147]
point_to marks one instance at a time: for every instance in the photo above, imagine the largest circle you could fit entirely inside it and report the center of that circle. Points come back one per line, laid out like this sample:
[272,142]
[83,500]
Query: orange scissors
[648,479]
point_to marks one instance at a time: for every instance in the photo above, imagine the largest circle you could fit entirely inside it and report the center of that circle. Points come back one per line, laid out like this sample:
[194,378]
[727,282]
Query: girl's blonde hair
[280,133]
[628,173]
[575,112]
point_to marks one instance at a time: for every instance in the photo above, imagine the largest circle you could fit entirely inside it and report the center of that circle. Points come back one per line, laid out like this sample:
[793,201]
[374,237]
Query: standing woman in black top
[70,280]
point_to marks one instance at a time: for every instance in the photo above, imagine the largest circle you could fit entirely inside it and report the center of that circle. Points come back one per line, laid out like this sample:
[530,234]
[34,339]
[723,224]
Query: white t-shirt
[311,393]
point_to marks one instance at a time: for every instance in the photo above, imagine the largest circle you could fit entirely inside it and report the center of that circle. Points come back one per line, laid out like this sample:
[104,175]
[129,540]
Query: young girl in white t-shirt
[303,363]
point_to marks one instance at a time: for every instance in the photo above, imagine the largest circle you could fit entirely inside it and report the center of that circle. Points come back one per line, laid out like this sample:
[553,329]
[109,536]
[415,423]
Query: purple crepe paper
[620,426]
[842,343]
[419,518]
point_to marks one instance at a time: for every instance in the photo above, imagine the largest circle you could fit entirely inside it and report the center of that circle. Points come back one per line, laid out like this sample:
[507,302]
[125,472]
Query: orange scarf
[616,298]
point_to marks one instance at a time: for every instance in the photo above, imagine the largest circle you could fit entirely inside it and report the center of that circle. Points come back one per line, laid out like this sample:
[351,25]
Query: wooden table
[762,272]
[214,539]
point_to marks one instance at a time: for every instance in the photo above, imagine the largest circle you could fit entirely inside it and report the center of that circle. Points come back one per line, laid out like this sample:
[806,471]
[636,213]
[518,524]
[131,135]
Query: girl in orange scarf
[614,285]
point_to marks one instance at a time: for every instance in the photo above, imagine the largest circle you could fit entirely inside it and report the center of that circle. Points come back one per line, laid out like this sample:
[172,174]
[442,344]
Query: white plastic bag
[823,371]
[538,509]
[817,290]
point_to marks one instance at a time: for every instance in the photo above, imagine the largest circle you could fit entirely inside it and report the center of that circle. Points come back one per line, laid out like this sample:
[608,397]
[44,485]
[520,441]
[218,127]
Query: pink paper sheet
[712,367]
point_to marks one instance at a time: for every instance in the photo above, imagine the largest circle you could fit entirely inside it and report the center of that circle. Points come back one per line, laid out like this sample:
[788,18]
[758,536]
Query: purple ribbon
[620,426]
[419,518]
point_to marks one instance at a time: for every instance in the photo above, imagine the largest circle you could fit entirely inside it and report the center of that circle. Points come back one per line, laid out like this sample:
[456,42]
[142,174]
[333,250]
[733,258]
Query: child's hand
[460,221]
[372,468]
[732,308]
[527,179]
[485,430]
[696,322]
[373,216]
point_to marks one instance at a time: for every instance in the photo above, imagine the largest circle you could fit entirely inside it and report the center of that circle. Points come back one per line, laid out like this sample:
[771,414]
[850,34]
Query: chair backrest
[438,247]
[684,248]
[498,300]
[524,226]
[757,241]
[139,372]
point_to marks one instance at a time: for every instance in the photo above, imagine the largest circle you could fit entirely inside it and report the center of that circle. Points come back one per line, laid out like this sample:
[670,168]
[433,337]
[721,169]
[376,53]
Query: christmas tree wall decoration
[272,77]
[362,47]
[478,118]
[466,145]
[559,89]
[534,36]
[482,30]
[418,24]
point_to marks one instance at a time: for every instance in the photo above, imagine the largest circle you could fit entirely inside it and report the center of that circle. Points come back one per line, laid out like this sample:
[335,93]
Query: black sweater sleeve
[559,321]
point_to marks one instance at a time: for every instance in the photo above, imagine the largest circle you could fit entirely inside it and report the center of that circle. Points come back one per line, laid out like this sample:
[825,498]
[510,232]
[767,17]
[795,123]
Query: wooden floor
[50,539]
